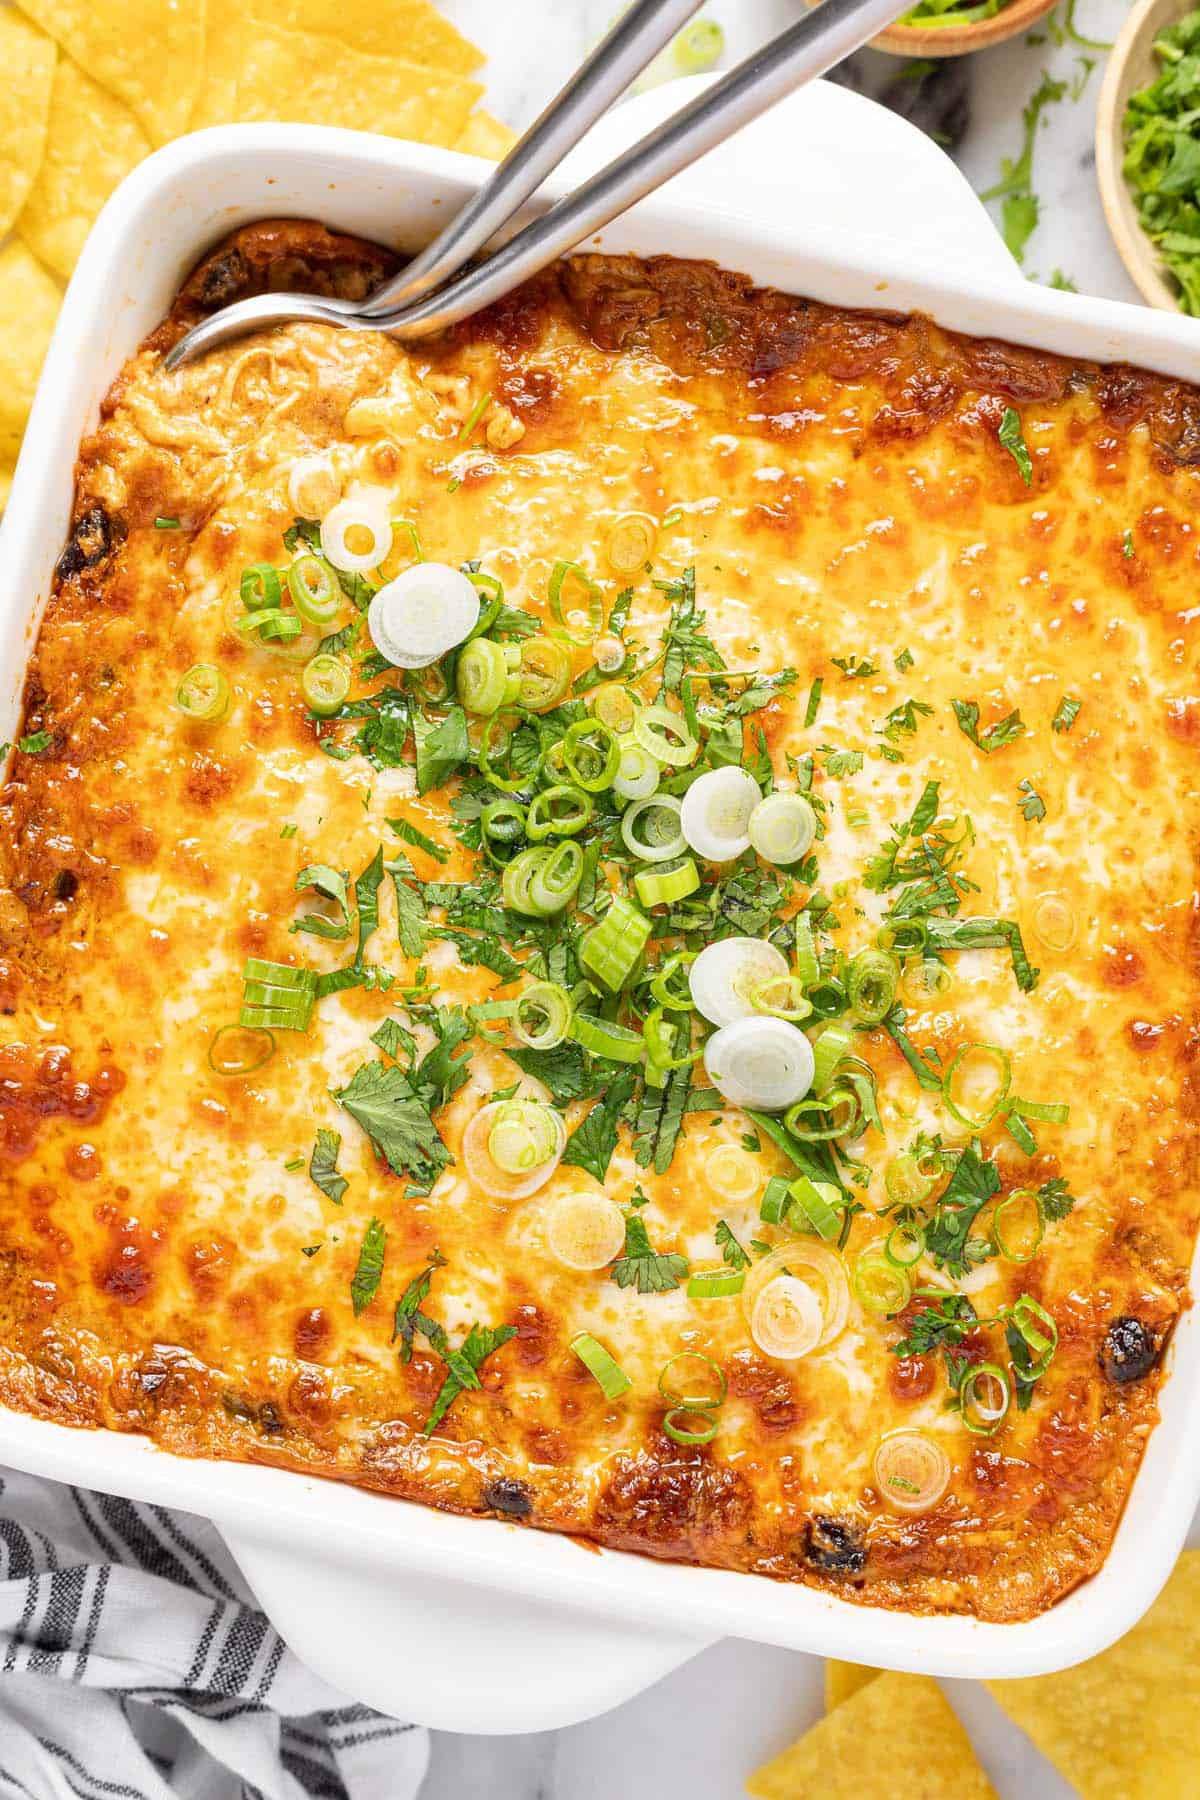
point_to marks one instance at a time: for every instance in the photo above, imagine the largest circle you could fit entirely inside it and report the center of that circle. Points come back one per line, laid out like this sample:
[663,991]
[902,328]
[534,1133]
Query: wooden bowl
[957,40]
[1130,66]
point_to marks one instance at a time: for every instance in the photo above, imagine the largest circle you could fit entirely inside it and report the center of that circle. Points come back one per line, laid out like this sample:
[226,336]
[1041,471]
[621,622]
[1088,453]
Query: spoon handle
[622,55]
[813,44]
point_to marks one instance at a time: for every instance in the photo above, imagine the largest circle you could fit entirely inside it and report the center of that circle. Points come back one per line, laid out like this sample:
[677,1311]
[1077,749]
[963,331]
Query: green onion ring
[591,754]
[709,1396]
[263,1042]
[1000,1059]
[558,811]
[553,1004]
[592,614]
[667,843]
[680,1432]
[260,586]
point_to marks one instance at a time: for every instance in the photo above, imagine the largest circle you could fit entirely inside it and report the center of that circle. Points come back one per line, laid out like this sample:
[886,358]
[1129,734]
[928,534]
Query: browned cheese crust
[839,487]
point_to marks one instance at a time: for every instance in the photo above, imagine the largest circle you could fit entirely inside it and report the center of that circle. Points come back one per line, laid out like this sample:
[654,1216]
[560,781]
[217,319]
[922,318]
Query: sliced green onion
[907,1183]
[517,877]
[325,683]
[715,1284]
[543,1015]
[970,1065]
[665,735]
[912,1472]
[984,1399]
[260,587]
[782,828]
[925,982]
[905,1245]
[591,754]
[782,996]
[276,996]
[508,784]
[829,1047]
[596,1360]
[501,825]
[1048,1112]
[481,677]
[669,986]
[776,1199]
[576,602]
[880,1286]
[240,1049]
[808,964]
[610,950]
[698,46]
[817,1205]
[272,624]
[1020,1133]
[872,978]
[1018,1226]
[716,813]
[667,883]
[485,1012]
[828,997]
[313,585]
[165,524]
[682,1425]
[907,937]
[610,654]
[603,1037]
[545,674]
[559,811]
[663,1035]
[630,543]
[1039,1332]
[837,1113]
[203,694]
[554,878]
[651,829]
[638,775]
[615,706]
[474,416]
[523,1136]
[696,1381]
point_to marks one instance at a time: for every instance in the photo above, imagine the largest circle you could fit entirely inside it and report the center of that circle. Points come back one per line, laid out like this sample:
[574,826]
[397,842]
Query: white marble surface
[697,1735]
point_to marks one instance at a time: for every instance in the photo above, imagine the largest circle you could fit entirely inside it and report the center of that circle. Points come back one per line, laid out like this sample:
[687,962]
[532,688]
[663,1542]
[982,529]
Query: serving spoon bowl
[442,285]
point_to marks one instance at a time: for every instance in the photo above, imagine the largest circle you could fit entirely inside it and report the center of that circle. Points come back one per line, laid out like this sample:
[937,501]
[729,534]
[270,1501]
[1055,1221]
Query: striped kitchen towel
[134,1665]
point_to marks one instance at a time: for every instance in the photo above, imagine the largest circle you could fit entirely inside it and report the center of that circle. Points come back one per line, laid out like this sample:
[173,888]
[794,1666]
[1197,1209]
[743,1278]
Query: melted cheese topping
[837,484]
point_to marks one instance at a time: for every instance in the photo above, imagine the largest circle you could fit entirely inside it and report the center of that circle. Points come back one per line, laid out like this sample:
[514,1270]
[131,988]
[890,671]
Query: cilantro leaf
[1055,1199]
[1033,807]
[1004,731]
[410,835]
[591,1144]
[853,667]
[659,1118]
[369,1272]
[382,1100]
[366,898]
[685,644]
[562,1070]
[1010,436]
[409,1318]
[35,743]
[480,1343]
[1066,713]
[440,1074]
[394,1041]
[731,1251]
[322,1165]
[442,747]
[970,1187]
[642,1267]
[331,884]
[411,923]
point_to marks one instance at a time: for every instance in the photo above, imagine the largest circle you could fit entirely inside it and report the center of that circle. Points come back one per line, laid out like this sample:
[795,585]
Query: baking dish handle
[445,1653]
[839,168]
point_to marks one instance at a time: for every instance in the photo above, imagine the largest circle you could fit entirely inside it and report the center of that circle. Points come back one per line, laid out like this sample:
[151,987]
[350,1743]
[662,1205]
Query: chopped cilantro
[1066,714]
[642,1267]
[1033,807]
[994,737]
[322,1165]
[480,1343]
[1011,437]
[369,1272]
[731,1251]
[382,1100]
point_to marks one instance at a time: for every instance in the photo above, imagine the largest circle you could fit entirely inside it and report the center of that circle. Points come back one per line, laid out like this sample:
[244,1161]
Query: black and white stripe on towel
[134,1665]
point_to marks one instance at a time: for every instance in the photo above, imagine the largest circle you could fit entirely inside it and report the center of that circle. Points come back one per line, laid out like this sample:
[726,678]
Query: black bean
[90,542]
[508,1496]
[834,1544]
[224,279]
[1130,1349]
[66,884]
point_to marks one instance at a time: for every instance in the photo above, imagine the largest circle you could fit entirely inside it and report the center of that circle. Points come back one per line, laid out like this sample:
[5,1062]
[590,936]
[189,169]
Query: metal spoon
[813,44]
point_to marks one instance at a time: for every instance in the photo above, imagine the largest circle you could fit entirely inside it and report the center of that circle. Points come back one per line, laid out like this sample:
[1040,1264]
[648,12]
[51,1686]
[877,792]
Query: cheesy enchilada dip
[598,924]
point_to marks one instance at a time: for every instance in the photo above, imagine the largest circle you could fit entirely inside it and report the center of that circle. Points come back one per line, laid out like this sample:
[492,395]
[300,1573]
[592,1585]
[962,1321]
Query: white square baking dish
[517,1630]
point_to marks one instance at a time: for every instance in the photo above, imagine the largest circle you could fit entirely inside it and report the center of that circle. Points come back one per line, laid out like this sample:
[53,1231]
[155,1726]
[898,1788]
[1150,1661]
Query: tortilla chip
[27,58]
[29,302]
[93,143]
[258,72]
[896,1736]
[843,1679]
[149,53]
[409,28]
[486,136]
[1126,1725]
